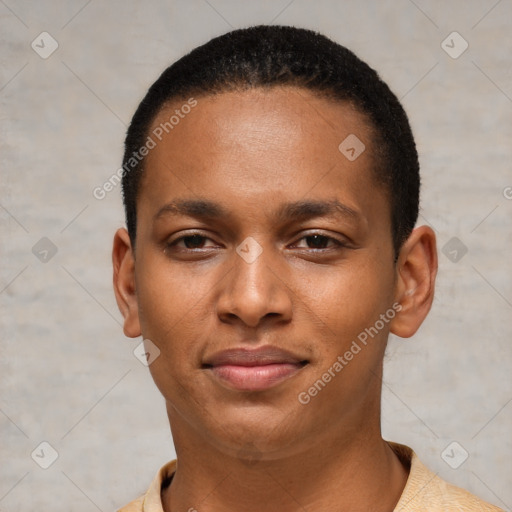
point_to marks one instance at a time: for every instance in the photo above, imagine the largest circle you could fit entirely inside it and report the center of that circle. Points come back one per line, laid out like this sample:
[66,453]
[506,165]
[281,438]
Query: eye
[191,242]
[317,241]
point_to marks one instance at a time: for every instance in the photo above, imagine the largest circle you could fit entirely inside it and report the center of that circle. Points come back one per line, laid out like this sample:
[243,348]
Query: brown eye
[193,241]
[317,241]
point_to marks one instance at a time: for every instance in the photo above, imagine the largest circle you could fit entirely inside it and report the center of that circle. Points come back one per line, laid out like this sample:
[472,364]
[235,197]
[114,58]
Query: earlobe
[124,282]
[417,270]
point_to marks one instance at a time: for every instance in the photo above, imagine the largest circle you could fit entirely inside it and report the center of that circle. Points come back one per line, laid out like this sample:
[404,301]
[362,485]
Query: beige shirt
[423,492]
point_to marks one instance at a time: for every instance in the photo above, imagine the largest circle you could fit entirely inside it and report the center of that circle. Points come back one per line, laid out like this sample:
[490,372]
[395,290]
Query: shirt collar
[152,500]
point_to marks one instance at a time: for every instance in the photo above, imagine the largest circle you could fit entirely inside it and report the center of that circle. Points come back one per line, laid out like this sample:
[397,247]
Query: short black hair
[271,55]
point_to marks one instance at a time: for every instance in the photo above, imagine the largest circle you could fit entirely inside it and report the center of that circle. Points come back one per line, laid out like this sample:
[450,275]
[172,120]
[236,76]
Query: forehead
[241,118]
[259,144]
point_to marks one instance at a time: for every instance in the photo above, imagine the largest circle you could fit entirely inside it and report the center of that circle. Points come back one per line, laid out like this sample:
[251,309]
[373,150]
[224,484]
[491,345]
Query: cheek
[170,297]
[346,299]
[341,315]
[174,314]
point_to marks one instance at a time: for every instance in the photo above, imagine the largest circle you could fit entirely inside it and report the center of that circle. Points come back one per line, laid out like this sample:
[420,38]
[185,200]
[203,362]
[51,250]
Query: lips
[253,369]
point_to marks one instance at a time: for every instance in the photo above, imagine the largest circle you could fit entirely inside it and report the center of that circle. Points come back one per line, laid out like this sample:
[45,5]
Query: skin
[251,152]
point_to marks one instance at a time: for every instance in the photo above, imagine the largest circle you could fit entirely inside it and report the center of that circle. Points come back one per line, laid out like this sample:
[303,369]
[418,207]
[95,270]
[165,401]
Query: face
[262,255]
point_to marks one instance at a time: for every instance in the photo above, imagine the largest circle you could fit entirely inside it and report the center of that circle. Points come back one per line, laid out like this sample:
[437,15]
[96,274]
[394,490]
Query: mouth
[253,370]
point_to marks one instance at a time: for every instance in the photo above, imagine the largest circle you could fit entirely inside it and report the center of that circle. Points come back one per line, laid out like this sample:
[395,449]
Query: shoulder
[426,492]
[134,506]
[151,501]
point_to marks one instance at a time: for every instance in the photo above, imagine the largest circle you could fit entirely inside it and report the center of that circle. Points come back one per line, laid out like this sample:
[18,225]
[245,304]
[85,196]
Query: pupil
[193,241]
[317,241]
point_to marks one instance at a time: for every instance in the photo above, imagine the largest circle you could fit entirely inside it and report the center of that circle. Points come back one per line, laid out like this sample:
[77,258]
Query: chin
[262,434]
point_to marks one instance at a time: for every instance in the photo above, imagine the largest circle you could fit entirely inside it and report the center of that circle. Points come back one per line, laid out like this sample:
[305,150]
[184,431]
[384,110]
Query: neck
[355,471]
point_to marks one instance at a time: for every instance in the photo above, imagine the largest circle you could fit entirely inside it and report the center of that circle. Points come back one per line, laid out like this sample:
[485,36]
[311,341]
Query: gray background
[68,375]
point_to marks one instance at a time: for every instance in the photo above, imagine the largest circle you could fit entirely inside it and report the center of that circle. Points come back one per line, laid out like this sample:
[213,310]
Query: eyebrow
[192,208]
[298,210]
[309,209]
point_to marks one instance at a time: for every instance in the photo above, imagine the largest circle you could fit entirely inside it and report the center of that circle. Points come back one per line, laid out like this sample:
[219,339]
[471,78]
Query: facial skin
[321,279]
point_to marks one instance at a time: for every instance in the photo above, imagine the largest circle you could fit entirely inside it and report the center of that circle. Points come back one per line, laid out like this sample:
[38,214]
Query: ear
[417,270]
[123,260]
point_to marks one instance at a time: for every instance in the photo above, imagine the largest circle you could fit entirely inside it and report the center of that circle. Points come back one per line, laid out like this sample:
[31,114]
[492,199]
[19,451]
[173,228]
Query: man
[271,189]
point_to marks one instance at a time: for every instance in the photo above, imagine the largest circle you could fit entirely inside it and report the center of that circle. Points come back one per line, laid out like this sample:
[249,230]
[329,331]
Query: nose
[255,292]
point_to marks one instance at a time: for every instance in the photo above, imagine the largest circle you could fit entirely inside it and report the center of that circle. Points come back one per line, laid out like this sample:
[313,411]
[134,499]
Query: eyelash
[329,239]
